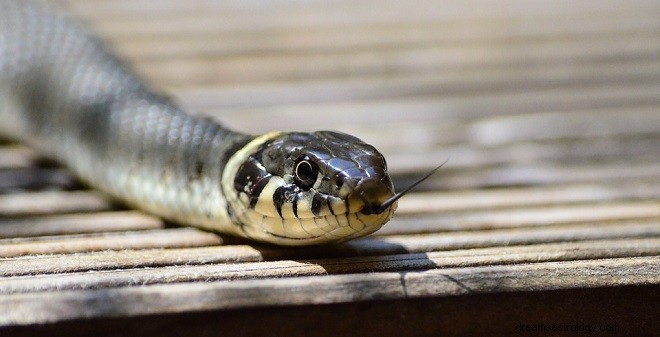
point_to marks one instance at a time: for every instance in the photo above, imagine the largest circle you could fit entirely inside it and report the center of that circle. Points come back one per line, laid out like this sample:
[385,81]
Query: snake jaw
[337,221]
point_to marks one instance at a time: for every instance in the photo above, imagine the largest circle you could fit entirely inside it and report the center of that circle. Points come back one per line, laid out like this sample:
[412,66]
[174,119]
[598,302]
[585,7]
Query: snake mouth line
[293,238]
[342,228]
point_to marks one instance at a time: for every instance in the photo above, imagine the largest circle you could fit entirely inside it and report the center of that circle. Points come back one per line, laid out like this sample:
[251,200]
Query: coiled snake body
[64,94]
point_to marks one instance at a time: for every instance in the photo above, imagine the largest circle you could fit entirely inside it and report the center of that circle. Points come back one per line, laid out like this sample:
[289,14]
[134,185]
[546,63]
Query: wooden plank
[125,259]
[545,156]
[94,279]
[33,308]
[523,174]
[281,97]
[501,313]
[579,151]
[456,65]
[179,237]
[49,202]
[164,43]
[96,222]
[527,217]
[418,136]
[15,156]
[556,126]
[509,197]
[384,245]
[428,242]
[428,112]
[195,16]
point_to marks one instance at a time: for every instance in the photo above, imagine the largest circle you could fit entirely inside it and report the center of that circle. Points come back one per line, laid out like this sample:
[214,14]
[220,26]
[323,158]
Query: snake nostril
[373,193]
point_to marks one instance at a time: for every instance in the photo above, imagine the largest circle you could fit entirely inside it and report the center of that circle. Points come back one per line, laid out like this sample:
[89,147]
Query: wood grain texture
[202,267]
[548,210]
[329,289]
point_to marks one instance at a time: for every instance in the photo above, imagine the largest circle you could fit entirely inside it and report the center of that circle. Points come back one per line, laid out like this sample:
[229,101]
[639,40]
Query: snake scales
[64,94]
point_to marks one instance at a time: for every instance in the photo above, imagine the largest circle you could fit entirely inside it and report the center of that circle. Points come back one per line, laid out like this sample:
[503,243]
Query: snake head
[309,188]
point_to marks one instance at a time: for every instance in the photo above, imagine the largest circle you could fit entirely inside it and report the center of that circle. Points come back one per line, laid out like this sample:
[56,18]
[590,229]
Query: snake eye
[306,173]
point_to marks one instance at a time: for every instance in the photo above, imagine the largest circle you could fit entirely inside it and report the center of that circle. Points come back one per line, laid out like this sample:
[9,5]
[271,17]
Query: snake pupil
[306,173]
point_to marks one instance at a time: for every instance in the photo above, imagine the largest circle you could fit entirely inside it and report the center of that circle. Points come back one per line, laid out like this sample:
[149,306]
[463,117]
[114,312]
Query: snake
[64,93]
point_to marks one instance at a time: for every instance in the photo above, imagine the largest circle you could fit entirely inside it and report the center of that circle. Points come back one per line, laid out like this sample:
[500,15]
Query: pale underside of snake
[64,94]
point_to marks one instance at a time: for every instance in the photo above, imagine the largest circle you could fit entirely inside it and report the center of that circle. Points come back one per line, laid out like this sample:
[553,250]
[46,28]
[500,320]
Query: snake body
[64,94]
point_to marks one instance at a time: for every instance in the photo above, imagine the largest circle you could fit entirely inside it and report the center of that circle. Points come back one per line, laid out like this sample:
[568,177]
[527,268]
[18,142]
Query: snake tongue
[389,202]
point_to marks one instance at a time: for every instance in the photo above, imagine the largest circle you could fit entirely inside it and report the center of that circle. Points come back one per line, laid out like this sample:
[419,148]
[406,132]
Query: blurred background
[513,92]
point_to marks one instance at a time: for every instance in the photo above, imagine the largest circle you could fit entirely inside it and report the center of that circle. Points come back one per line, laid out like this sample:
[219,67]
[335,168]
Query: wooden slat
[77,223]
[544,156]
[197,16]
[523,174]
[500,130]
[465,64]
[312,94]
[124,259]
[109,260]
[503,237]
[455,132]
[30,308]
[16,156]
[528,217]
[183,237]
[429,110]
[35,203]
[468,200]
[162,44]
[277,269]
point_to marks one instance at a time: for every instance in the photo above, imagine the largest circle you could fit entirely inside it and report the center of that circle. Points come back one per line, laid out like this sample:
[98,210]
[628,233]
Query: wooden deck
[547,213]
